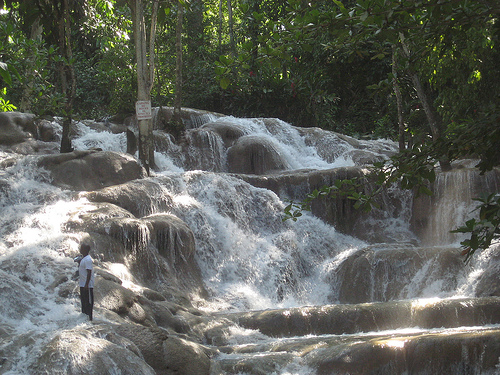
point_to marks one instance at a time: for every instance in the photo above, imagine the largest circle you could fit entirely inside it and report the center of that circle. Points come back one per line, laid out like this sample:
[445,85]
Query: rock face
[340,211]
[370,274]
[79,352]
[16,127]
[254,155]
[159,249]
[92,169]
[23,133]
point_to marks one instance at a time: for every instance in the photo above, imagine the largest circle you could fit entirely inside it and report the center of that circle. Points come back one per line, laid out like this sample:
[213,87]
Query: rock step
[369,317]
[463,350]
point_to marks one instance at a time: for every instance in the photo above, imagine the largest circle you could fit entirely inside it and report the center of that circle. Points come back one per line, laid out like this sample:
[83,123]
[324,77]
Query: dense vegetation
[423,72]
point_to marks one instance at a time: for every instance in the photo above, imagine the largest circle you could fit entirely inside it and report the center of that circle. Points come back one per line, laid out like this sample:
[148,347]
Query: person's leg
[85,298]
[91,303]
[82,299]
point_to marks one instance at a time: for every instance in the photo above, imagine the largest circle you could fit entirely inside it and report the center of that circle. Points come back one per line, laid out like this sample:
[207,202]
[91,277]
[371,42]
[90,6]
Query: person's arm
[89,276]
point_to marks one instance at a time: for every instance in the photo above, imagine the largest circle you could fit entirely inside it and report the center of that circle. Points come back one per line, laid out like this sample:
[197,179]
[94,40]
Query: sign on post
[143,109]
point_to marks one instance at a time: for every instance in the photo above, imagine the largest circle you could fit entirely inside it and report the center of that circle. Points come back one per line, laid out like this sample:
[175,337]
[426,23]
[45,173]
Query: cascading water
[249,258]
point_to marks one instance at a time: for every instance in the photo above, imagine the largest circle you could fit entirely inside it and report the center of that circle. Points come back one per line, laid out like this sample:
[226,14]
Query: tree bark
[231,29]
[67,74]
[178,68]
[145,77]
[221,15]
[431,115]
[399,100]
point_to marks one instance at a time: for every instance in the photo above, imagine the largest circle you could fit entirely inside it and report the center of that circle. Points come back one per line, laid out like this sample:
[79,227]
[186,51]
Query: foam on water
[90,138]
[289,143]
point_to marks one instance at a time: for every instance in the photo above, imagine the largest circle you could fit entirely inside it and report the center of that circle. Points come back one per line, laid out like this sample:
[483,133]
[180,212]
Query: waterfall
[334,292]
[452,204]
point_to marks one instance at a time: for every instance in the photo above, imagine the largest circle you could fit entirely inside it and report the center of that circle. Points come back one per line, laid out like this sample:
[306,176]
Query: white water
[249,258]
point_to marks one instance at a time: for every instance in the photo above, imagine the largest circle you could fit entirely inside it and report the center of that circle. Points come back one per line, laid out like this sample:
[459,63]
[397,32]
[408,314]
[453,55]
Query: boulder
[16,127]
[18,298]
[254,155]
[488,283]
[92,169]
[386,272]
[173,238]
[185,357]
[79,352]
[34,147]
[141,197]
[112,296]
[228,131]
[149,340]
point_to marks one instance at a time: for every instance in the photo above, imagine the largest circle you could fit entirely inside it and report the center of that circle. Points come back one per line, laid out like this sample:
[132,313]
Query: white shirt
[86,264]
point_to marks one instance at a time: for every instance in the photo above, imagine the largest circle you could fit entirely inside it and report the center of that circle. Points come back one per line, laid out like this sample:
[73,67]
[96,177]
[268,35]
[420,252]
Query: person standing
[86,280]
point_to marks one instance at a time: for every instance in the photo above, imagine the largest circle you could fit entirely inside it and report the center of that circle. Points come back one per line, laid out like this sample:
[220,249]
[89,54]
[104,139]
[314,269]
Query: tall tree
[145,76]
[67,72]
[178,66]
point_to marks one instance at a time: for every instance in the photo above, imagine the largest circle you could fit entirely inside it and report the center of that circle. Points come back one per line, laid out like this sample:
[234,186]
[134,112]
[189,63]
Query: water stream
[254,263]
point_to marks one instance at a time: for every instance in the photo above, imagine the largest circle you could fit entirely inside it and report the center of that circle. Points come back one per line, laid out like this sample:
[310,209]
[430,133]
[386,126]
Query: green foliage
[5,105]
[346,188]
[483,231]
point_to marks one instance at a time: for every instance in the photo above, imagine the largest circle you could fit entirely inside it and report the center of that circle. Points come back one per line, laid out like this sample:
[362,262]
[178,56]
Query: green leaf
[4,73]
[224,82]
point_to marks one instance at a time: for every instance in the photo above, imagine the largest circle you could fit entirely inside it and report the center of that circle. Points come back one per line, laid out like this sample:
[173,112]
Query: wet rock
[453,353]
[229,132]
[92,169]
[106,275]
[17,297]
[185,357]
[137,197]
[158,248]
[112,296]
[387,272]
[149,340]
[297,184]
[92,217]
[254,155]
[164,318]
[153,295]
[33,147]
[78,352]
[173,239]
[488,283]
[16,127]
[262,364]
[369,317]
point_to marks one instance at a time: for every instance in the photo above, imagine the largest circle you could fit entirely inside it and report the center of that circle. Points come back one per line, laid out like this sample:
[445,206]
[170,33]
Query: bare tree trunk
[399,100]
[145,77]
[178,68]
[68,79]
[221,15]
[231,29]
[432,117]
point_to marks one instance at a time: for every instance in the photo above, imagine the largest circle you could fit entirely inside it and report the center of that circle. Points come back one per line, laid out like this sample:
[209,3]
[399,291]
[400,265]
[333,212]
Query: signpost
[143,109]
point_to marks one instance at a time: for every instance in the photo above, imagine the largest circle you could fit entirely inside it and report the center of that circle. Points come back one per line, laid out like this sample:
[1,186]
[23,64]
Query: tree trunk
[178,68]
[399,100]
[231,29]
[67,74]
[432,117]
[221,16]
[145,77]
